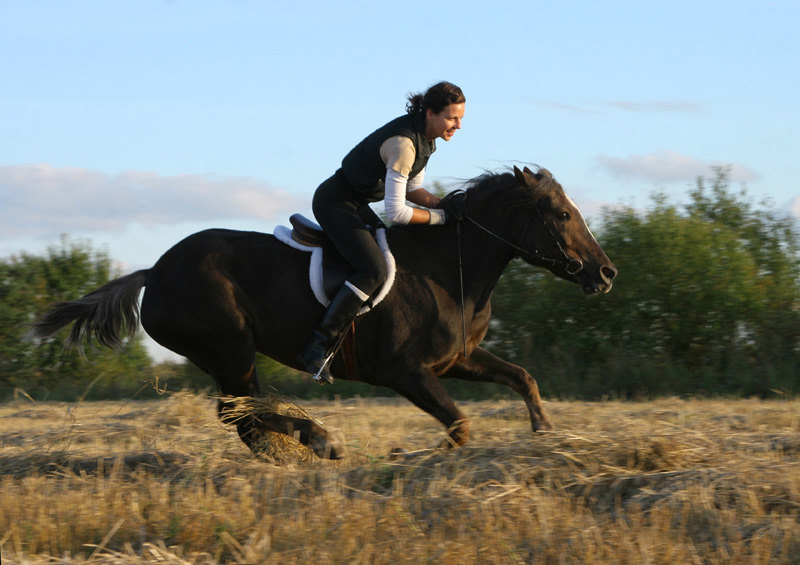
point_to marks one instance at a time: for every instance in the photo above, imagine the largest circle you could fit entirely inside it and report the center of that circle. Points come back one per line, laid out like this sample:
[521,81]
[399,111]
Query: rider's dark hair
[436,98]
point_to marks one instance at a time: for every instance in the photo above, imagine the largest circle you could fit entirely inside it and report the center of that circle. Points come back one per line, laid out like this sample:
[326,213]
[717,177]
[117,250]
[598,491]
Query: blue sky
[133,124]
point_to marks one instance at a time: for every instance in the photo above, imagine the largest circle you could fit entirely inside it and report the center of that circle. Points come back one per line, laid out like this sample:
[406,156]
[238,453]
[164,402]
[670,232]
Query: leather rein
[571,265]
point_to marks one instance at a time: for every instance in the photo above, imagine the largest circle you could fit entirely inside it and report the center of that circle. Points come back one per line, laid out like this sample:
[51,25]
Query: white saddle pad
[284,234]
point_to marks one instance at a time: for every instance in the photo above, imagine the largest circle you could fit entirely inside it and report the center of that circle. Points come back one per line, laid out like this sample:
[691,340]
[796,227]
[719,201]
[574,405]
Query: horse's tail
[109,313]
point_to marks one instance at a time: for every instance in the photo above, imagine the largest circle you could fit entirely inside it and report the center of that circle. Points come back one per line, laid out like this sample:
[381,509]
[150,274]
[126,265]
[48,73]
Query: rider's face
[445,123]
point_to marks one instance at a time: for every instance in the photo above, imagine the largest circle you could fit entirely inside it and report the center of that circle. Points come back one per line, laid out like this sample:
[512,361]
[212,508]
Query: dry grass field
[669,481]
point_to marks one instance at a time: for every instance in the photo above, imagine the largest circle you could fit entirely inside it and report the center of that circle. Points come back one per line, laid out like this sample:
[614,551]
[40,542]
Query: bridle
[571,266]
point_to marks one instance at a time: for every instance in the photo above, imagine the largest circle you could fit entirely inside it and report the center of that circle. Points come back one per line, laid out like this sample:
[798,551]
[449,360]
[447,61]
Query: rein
[571,266]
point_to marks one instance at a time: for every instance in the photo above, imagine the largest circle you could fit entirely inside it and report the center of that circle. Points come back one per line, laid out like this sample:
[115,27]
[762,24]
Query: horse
[219,296]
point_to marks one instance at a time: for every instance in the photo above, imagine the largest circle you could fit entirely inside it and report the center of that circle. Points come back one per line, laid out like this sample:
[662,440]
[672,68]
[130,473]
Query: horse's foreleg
[425,391]
[486,367]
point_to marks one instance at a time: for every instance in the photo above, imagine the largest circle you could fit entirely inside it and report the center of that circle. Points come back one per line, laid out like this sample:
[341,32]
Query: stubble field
[668,481]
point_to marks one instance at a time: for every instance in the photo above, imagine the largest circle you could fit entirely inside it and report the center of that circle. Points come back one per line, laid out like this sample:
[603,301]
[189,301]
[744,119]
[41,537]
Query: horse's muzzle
[603,283]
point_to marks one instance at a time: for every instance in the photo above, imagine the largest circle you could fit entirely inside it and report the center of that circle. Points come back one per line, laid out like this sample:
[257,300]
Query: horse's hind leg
[206,317]
[249,425]
[244,385]
[216,339]
[485,367]
[425,390]
[235,375]
[304,430]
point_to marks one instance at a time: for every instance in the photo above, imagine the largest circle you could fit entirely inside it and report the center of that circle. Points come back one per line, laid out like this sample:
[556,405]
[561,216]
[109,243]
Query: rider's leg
[341,218]
[341,312]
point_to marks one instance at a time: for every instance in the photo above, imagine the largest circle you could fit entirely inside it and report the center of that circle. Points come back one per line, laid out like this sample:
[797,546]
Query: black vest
[363,167]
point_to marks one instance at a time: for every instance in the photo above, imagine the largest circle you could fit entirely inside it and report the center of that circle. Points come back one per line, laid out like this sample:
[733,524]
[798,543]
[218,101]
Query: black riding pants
[344,217]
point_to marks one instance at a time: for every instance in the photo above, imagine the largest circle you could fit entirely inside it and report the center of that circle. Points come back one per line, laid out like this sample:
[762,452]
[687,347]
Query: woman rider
[388,164]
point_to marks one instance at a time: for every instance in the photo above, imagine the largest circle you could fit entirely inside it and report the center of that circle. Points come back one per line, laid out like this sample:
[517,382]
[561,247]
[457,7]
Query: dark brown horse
[219,296]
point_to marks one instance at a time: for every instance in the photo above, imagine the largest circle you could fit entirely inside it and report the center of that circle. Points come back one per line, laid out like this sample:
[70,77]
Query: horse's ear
[520,176]
[525,177]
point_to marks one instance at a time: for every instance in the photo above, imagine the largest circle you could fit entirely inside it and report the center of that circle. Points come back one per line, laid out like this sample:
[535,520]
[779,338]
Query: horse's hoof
[325,449]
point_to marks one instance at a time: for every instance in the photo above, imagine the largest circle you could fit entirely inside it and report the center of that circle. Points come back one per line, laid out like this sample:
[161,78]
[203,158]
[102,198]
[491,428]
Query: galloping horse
[219,296]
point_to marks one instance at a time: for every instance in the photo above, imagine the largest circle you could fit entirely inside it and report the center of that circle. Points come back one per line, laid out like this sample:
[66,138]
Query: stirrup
[323,376]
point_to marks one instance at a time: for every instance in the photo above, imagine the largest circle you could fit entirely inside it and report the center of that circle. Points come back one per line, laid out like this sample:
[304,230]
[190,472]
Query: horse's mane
[519,196]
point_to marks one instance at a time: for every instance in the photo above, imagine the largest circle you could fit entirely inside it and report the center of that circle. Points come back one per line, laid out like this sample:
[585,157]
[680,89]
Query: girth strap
[348,351]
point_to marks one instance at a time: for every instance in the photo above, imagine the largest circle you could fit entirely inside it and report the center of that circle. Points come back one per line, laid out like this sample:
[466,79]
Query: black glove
[454,206]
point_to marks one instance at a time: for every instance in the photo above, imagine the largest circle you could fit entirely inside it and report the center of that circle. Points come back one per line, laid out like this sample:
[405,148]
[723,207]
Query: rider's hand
[454,206]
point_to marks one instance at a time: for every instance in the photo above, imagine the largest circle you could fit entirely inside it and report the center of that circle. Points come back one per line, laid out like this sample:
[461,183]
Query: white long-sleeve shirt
[398,154]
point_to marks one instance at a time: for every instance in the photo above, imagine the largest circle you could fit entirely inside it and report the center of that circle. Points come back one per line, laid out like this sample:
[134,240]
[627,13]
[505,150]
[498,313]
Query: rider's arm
[418,195]
[398,154]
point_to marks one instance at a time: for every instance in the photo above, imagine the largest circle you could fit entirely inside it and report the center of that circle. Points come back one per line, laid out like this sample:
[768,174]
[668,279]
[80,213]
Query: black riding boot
[342,310]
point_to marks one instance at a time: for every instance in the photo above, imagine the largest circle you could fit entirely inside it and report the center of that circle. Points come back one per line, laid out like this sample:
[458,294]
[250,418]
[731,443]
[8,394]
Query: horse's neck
[434,253]
[484,259]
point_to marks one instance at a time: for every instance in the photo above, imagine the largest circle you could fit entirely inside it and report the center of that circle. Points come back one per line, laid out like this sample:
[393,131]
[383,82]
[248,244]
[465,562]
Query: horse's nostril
[609,272]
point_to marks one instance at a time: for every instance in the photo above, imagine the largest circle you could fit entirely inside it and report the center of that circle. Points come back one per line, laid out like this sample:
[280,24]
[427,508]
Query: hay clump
[272,446]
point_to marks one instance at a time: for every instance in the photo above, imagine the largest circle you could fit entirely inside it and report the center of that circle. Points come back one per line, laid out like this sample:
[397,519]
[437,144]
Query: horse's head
[545,228]
[558,237]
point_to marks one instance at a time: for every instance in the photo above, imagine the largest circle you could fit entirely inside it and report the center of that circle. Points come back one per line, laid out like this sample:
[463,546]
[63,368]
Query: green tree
[707,300]
[28,285]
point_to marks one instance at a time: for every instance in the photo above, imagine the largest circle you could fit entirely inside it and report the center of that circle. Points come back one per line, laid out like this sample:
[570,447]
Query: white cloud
[669,166]
[562,106]
[655,106]
[625,105]
[40,200]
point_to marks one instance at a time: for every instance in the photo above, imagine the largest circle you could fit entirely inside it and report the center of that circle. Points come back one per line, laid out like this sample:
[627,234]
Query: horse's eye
[564,216]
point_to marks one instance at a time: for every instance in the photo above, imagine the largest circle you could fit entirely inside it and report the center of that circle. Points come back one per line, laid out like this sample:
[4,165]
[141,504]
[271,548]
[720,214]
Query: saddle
[305,232]
[328,270]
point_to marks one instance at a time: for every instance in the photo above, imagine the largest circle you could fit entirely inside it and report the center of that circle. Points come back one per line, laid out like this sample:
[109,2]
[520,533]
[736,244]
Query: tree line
[707,302]
[48,370]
